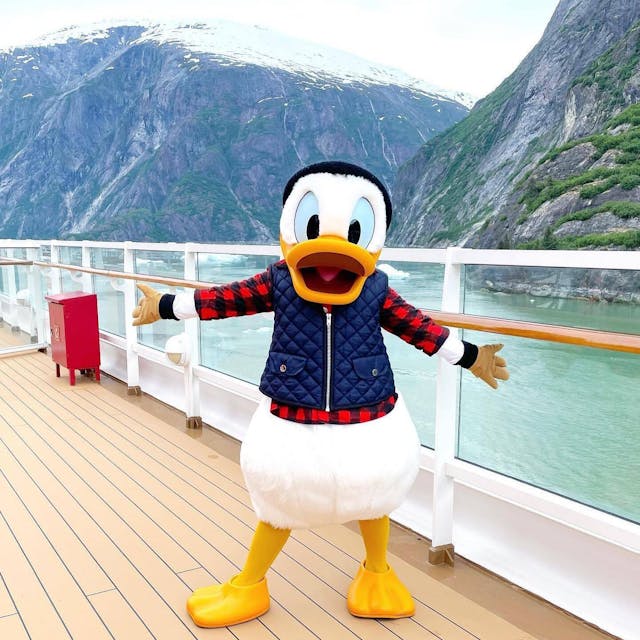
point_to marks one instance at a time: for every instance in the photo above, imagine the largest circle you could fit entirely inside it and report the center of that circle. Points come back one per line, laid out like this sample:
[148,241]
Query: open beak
[328,269]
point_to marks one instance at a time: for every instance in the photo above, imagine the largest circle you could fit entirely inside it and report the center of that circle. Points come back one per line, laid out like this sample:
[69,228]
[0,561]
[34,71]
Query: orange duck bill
[328,269]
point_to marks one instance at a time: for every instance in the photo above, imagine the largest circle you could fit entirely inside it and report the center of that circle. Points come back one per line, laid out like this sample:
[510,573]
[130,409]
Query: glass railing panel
[111,314]
[168,264]
[21,274]
[6,273]
[235,346]
[17,316]
[567,421]
[603,299]
[73,256]
[415,373]
[45,253]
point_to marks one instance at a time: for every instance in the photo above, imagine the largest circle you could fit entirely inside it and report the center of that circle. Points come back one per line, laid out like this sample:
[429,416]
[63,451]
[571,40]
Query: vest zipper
[328,361]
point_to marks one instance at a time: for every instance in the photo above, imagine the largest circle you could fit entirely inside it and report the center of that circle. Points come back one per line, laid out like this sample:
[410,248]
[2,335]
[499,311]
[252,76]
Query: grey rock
[126,138]
[463,187]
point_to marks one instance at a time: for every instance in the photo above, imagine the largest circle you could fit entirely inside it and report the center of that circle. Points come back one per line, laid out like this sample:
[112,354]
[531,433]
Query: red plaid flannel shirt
[254,295]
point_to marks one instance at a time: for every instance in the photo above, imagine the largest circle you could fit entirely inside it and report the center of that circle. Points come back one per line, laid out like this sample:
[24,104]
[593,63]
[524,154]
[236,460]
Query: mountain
[189,133]
[551,158]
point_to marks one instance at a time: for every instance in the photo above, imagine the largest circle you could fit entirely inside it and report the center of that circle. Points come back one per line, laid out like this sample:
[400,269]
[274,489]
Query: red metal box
[75,342]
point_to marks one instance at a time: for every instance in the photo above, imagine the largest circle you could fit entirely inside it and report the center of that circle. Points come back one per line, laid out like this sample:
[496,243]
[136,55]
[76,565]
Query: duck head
[333,227]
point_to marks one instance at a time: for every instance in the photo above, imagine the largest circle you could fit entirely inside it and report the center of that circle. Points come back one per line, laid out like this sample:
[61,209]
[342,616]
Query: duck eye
[307,220]
[313,227]
[362,223]
[354,232]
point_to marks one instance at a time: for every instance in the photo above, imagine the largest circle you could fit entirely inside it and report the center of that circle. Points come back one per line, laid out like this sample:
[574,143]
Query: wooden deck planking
[7,608]
[62,588]
[162,514]
[152,587]
[9,338]
[12,628]
[26,589]
[120,618]
[227,530]
[89,575]
[328,590]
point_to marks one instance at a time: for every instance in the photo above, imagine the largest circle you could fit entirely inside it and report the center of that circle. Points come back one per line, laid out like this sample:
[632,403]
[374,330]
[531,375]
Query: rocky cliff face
[537,162]
[135,134]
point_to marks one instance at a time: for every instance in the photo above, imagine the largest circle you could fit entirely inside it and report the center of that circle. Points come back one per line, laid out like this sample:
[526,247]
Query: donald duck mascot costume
[332,441]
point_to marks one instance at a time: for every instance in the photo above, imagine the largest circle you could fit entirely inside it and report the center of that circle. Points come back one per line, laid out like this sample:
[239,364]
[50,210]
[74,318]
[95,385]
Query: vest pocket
[285,364]
[370,367]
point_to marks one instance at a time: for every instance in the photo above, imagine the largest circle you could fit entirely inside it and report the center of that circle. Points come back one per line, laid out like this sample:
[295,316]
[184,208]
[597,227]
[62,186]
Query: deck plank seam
[13,602]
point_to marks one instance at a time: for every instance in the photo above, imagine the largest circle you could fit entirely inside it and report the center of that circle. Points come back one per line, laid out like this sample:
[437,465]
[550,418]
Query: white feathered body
[303,476]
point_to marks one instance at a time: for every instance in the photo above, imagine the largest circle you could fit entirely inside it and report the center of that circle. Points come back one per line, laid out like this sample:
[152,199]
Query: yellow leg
[266,545]
[245,596]
[375,534]
[376,591]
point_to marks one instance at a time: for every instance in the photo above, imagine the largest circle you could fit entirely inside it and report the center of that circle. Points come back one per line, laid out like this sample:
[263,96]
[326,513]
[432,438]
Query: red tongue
[328,273]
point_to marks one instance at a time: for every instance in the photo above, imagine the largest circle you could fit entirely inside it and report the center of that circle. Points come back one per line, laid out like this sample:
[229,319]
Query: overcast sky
[466,45]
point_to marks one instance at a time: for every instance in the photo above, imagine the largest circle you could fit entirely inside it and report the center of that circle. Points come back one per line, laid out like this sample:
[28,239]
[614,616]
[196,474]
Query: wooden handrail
[7,262]
[629,343]
[614,341]
[121,275]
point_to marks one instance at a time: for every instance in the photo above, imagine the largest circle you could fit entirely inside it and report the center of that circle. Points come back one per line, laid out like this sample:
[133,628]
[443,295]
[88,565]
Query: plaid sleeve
[243,298]
[399,317]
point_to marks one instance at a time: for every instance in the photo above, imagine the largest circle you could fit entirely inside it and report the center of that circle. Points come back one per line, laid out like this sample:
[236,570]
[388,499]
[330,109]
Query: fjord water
[568,420]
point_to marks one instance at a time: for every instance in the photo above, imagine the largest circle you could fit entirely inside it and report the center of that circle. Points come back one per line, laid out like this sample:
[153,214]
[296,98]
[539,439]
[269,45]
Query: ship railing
[529,534]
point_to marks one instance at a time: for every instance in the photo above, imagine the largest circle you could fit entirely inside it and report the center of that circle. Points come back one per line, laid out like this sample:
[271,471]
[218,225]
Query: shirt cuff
[184,305]
[451,350]
[178,307]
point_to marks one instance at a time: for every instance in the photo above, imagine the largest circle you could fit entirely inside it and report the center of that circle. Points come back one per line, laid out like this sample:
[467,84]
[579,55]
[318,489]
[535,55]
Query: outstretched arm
[418,329]
[241,298]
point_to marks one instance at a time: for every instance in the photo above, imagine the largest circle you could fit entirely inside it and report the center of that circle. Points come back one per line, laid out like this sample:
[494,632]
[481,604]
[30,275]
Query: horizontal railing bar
[533,330]
[548,258]
[614,341]
[122,275]
[11,262]
[10,351]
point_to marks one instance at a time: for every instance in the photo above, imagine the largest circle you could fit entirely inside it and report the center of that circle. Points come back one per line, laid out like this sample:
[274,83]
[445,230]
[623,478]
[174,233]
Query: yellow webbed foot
[379,595]
[221,605]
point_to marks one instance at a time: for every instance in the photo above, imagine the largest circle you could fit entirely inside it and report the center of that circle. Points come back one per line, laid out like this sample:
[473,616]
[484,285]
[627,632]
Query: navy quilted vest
[299,365]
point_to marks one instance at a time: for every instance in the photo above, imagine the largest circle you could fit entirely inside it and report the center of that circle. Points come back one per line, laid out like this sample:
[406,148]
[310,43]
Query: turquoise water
[568,420]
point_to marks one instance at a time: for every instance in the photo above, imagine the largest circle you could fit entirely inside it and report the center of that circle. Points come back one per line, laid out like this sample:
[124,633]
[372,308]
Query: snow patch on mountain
[246,44]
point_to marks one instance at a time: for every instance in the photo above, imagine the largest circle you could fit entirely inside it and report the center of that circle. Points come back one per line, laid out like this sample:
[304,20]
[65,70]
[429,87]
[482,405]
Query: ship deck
[111,513]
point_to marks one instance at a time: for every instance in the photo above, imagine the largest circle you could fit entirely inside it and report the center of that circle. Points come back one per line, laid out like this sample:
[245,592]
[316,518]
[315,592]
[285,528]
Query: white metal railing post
[446,424]
[36,297]
[55,274]
[12,292]
[131,332]
[192,332]
[87,278]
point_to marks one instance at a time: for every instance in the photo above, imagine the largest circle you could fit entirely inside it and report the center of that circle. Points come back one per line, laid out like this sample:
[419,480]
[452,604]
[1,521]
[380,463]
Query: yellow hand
[148,309]
[488,366]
